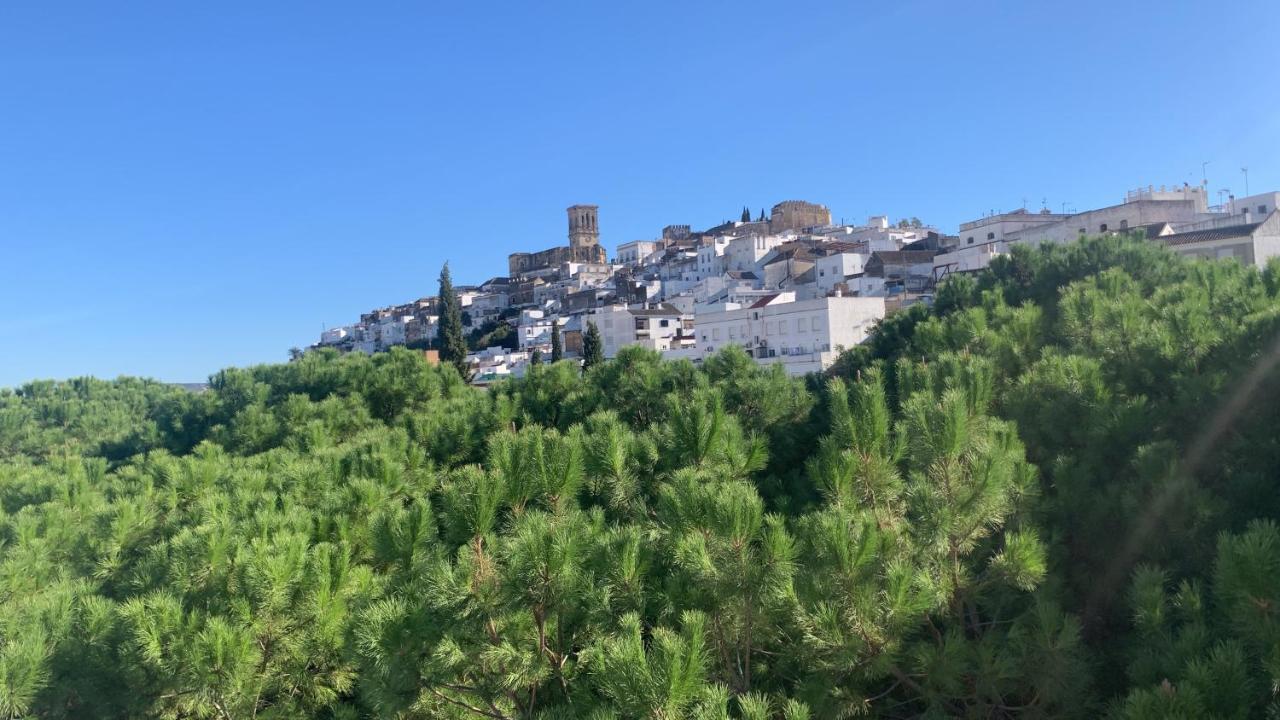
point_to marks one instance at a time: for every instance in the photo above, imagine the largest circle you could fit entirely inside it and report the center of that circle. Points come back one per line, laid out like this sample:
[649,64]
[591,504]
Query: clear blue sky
[187,186]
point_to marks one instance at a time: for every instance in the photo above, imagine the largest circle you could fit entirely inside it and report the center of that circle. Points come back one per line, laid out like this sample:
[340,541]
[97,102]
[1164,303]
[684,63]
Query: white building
[711,259]
[995,228]
[1237,236]
[804,336]
[1144,206]
[743,253]
[835,268]
[967,259]
[333,336]
[534,329]
[658,328]
[635,252]
[493,364]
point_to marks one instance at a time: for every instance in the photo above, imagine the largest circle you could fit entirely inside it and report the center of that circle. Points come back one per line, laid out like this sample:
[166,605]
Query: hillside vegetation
[1053,494]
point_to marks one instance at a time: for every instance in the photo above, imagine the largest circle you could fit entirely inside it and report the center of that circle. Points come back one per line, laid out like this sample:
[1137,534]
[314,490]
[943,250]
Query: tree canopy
[452,340]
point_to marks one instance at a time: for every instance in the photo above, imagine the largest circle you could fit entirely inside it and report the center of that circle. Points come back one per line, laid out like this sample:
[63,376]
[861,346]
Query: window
[970,241]
[815,324]
[991,236]
[1262,209]
[664,323]
[1124,224]
[1081,231]
[715,333]
[1102,227]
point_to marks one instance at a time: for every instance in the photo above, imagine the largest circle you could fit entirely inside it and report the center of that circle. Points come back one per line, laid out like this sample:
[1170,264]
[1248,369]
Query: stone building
[584,245]
[797,215]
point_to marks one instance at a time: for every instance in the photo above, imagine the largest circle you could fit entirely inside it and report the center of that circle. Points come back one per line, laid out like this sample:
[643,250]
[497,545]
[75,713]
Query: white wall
[743,253]
[804,336]
[833,269]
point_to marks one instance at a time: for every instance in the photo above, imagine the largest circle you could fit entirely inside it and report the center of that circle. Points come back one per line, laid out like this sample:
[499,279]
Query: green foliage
[1049,495]
[452,342]
[592,347]
[557,349]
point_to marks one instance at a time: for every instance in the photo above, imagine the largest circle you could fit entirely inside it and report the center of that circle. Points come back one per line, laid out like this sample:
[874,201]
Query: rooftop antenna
[1204,173]
[1044,203]
[1222,192]
[1245,170]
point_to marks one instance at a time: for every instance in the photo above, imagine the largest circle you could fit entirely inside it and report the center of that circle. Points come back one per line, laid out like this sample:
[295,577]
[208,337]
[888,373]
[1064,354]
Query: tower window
[1102,227]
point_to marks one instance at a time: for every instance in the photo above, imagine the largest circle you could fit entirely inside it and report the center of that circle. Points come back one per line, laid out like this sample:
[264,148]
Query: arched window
[1124,224]
[1102,227]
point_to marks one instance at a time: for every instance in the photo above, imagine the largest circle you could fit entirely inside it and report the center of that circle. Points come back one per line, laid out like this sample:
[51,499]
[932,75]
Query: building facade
[803,336]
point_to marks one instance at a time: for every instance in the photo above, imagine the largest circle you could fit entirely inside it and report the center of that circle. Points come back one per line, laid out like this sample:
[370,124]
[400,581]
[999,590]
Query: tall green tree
[557,349]
[452,341]
[746,214]
[592,347]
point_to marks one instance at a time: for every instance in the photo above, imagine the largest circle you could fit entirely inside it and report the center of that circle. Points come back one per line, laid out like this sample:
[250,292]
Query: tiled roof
[764,301]
[841,246]
[910,257]
[1196,236]
[663,310]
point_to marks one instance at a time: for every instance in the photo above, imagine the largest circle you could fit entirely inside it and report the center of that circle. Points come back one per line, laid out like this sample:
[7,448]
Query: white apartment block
[662,328]
[803,336]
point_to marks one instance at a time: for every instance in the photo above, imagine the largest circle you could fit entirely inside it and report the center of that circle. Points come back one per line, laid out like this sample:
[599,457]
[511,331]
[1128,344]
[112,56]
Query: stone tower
[583,231]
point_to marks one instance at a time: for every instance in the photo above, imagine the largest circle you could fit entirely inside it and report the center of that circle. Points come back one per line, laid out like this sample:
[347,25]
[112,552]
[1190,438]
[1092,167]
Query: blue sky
[186,186]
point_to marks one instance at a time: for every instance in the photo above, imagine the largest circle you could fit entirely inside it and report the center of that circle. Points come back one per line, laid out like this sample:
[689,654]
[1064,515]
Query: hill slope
[1051,495]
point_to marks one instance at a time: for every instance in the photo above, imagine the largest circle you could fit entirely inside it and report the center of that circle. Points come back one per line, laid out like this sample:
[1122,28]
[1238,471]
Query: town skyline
[186,191]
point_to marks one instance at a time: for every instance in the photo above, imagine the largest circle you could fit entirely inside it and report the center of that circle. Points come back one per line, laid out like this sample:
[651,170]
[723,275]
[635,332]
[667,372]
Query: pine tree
[557,350]
[451,342]
[535,358]
[592,350]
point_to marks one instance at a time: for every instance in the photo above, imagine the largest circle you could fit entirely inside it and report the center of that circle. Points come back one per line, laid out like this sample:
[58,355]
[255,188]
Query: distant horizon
[193,188]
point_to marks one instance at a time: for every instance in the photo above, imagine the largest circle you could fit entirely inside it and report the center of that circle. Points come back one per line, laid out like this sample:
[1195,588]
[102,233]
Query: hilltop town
[792,288]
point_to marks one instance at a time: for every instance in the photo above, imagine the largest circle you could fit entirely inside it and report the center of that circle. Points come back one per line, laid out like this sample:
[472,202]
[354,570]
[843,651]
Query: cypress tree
[592,350]
[761,215]
[451,342]
[557,350]
[746,214]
